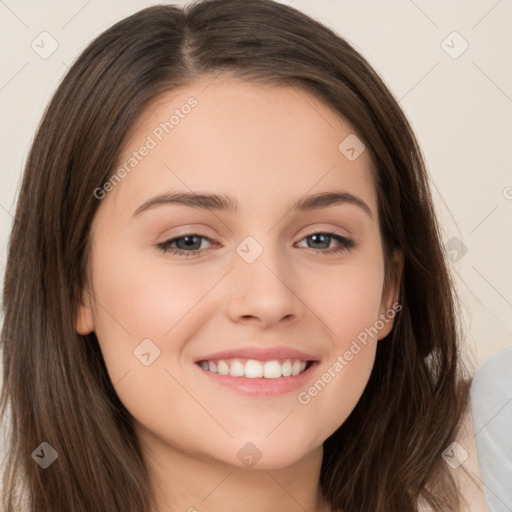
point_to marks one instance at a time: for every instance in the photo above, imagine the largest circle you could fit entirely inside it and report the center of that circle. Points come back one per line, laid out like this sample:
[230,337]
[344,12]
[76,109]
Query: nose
[263,292]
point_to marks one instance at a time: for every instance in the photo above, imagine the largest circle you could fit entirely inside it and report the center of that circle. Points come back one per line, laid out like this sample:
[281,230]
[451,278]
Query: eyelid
[190,229]
[332,231]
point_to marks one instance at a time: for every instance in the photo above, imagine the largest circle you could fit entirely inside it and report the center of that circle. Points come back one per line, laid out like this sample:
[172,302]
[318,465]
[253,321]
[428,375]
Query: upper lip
[258,353]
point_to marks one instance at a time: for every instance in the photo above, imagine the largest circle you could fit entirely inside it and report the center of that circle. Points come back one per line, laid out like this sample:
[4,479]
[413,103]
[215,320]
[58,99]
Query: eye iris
[316,236]
[189,241]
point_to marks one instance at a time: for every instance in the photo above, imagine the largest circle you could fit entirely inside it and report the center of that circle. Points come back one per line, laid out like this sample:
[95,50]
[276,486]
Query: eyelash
[346,244]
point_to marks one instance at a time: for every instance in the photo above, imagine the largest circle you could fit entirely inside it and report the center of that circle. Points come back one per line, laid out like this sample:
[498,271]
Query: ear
[391,294]
[84,323]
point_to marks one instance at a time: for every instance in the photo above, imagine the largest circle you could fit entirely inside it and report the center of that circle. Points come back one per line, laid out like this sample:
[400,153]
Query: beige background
[460,108]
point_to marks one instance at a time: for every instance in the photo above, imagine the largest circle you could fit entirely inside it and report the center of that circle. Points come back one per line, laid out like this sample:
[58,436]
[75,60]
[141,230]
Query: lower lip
[262,387]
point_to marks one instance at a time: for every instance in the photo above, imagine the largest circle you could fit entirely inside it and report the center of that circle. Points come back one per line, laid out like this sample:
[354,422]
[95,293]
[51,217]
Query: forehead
[251,141]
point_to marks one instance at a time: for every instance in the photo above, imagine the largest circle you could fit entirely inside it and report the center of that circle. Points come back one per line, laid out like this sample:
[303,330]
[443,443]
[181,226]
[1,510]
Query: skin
[265,146]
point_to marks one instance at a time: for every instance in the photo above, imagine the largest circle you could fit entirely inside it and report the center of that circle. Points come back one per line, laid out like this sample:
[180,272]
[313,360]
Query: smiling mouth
[254,369]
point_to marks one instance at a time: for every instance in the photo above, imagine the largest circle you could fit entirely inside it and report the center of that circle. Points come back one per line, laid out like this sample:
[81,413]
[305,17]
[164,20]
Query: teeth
[272,370]
[222,368]
[297,367]
[236,369]
[254,369]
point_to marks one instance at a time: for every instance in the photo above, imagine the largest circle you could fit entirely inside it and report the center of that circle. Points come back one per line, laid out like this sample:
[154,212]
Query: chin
[258,453]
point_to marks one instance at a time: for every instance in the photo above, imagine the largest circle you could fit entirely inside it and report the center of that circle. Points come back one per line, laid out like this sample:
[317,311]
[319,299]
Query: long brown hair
[387,454]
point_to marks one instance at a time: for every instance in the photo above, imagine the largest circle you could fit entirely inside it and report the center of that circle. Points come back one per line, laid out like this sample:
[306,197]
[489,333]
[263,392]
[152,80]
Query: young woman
[225,286]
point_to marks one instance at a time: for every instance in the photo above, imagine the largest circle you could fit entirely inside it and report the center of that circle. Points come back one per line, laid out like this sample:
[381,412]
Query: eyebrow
[222,202]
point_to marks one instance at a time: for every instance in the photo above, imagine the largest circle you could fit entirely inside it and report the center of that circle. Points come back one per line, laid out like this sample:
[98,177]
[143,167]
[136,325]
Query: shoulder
[491,395]
[491,401]
[493,376]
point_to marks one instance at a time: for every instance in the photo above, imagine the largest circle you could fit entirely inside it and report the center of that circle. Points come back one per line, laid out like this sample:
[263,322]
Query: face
[241,332]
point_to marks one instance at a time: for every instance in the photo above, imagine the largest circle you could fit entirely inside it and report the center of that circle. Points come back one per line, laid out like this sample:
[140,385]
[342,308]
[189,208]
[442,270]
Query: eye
[322,238]
[189,244]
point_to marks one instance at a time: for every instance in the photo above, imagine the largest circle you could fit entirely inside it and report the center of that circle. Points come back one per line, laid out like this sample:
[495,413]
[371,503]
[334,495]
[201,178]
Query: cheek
[145,293]
[347,299]
[333,395]
[348,305]
[140,296]
[146,298]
